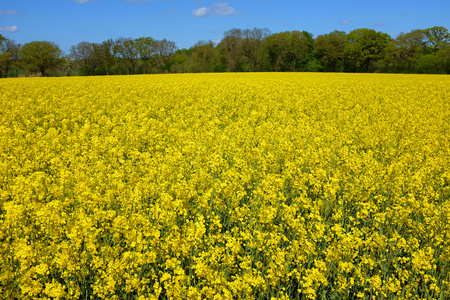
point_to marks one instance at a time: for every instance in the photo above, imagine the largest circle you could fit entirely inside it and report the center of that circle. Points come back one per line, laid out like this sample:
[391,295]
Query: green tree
[231,50]
[9,55]
[404,49]
[330,49]
[164,50]
[438,37]
[41,56]
[5,57]
[445,57]
[178,61]
[203,58]
[290,50]
[106,53]
[365,46]
[429,64]
[127,49]
[255,53]
[146,50]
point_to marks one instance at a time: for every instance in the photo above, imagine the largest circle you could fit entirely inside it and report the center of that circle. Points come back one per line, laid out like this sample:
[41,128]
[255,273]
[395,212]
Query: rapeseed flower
[220,186]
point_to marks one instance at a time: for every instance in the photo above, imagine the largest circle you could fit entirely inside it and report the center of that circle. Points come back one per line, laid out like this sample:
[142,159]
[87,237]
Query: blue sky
[68,22]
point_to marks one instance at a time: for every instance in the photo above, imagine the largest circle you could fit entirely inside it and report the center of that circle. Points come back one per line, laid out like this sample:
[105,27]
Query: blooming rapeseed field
[225,186]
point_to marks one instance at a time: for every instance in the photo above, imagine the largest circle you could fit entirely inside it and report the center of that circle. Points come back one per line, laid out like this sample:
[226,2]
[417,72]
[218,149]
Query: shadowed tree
[404,49]
[290,50]
[254,52]
[5,56]
[164,50]
[14,49]
[146,50]
[444,54]
[9,55]
[41,55]
[83,53]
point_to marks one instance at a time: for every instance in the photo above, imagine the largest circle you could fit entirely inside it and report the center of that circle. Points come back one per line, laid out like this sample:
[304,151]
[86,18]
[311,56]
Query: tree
[365,46]
[330,49]
[203,58]
[5,57]
[146,50]
[278,46]
[126,47]
[164,49]
[67,65]
[243,49]
[252,45]
[83,53]
[231,50]
[438,37]
[430,64]
[9,55]
[14,49]
[404,49]
[290,50]
[41,55]
[106,53]
[444,54]
[178,61]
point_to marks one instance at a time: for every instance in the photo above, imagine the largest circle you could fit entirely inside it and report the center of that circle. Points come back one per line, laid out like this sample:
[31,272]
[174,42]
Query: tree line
[240,50]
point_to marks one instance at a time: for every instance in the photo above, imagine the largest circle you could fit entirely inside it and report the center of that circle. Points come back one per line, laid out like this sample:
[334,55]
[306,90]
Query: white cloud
[13,28]
[218,9]
[345,22]
[7,12]
[200,12]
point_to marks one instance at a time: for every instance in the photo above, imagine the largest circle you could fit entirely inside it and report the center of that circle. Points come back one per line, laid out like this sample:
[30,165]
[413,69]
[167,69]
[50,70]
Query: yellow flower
[246,186]
[54,290]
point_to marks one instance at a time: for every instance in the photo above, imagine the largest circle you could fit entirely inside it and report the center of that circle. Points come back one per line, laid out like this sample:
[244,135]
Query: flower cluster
[225,186]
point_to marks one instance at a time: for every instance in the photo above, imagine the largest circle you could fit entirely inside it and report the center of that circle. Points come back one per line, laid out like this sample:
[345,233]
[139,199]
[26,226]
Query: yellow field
[221,186]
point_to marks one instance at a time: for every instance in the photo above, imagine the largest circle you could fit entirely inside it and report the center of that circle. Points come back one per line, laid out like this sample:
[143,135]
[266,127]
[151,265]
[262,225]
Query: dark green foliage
[430,64]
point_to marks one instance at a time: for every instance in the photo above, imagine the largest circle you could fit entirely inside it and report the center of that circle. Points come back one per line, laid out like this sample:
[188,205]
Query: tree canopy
[365,46]
[240,50]
[41,55]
